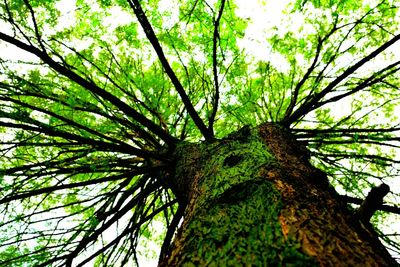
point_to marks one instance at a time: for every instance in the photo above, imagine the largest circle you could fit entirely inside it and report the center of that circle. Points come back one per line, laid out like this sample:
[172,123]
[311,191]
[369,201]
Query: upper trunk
[253,198]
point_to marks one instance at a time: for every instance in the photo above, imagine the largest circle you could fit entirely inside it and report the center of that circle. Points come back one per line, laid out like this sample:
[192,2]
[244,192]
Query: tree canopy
[95,95]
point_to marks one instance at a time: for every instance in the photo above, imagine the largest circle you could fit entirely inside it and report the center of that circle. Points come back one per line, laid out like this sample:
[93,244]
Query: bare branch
[358,201]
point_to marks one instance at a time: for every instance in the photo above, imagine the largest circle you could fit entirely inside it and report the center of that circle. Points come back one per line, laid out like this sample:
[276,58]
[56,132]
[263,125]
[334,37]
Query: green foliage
[91,116]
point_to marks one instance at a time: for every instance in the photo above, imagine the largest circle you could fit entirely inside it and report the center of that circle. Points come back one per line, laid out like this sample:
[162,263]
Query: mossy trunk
[253,199]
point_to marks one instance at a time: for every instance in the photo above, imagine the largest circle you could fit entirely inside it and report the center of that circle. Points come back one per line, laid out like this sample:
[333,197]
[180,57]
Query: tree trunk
[253,199]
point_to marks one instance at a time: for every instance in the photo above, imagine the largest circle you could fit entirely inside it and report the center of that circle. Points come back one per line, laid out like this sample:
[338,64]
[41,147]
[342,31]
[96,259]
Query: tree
[119,114]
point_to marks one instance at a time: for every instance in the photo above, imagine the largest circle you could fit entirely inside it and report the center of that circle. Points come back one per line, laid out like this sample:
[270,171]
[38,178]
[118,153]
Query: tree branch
[358,201]
[151,36]
[307,107]
[310,133]
[216,37]
[129,111]
[35,25]
[50,189]
[117,214]
[366,83]
[170,233]
[293,100]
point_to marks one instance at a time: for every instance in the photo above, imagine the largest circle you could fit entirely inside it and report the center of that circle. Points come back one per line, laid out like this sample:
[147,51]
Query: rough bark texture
[253,199]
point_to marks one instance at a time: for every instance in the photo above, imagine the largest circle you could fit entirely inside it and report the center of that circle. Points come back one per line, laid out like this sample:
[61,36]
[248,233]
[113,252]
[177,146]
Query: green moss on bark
[241,230]
[233,217]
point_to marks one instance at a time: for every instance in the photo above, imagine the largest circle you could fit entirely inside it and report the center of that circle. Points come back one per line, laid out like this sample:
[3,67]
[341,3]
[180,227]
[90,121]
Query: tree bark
[253,199]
